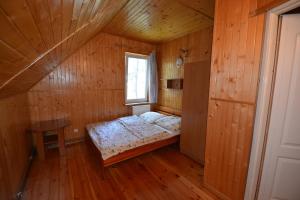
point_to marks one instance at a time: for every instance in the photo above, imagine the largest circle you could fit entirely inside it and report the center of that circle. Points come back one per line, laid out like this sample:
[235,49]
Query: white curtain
[153,79]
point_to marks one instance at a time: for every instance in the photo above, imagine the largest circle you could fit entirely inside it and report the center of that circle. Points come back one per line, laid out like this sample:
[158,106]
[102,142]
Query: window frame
[139,56]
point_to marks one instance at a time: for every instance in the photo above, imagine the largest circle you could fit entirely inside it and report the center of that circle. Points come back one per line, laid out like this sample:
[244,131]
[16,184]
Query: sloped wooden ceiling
[37,35]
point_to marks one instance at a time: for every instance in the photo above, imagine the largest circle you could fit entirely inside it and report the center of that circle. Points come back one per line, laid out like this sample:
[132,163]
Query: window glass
[136,78]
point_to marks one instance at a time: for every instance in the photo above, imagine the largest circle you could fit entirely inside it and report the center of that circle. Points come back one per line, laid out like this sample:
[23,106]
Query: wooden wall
[88,86]
[266,5]
[199,46]
[236,52]
[269,3]
[15,144]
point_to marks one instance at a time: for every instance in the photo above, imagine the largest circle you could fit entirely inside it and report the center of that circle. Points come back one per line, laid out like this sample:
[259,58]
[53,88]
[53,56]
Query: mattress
[114,137]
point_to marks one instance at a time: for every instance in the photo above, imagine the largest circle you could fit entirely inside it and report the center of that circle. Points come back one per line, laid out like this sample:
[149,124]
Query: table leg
[40,145]
[61,142]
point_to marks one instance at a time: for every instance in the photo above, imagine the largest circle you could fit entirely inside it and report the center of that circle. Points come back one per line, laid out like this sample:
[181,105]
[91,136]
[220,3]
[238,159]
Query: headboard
[165,110]
[162,112]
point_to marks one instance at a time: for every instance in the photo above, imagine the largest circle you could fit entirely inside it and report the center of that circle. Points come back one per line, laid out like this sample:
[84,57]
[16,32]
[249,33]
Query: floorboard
[162,174]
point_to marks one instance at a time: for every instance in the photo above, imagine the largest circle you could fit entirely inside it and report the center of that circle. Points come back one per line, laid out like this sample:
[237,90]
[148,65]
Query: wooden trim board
[163,109]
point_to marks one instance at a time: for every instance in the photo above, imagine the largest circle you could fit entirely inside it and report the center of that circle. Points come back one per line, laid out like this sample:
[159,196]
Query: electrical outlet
[75,130]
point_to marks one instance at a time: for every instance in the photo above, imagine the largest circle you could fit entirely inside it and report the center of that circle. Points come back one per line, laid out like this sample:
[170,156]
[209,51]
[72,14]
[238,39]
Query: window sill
[138,104]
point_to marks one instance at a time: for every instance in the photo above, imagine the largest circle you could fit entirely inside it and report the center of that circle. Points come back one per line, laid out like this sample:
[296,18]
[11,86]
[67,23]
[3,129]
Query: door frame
[264,98]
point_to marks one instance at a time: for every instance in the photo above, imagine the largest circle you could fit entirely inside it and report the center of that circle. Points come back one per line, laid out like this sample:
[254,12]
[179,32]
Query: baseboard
[19,194]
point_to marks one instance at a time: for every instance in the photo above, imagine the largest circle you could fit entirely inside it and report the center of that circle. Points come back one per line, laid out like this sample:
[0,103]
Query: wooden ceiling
[37,35]
[161,20]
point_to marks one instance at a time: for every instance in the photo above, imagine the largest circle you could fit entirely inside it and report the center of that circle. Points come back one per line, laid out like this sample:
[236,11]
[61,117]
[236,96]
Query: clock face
[179,62]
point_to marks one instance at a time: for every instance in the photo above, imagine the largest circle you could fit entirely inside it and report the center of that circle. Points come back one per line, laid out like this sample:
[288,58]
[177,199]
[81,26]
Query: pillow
[171,123]
[150,117]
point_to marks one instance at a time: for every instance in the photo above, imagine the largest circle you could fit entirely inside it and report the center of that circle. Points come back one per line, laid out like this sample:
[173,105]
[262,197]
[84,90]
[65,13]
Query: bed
[130,136]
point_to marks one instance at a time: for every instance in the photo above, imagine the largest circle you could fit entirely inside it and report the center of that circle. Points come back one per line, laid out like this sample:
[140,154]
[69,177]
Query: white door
[281,170]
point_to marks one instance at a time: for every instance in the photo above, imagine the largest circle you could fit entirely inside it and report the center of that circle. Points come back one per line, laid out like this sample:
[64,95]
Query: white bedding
[117,136]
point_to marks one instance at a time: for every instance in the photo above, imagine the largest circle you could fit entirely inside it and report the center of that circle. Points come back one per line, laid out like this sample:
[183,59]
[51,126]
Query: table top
[50,125]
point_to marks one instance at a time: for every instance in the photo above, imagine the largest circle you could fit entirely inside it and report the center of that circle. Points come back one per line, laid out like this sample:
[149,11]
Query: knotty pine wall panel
[263,3]
[199,47]
[15,144]
[88,86]
[266,5]
[236,52]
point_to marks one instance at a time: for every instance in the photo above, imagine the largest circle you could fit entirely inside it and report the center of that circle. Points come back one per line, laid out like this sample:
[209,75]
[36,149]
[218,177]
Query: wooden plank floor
[162,174]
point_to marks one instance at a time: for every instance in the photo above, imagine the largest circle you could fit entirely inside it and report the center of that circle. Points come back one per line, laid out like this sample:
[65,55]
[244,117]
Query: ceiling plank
[19,14]
[14,38]
[205,7]
[44,64]
[157,21]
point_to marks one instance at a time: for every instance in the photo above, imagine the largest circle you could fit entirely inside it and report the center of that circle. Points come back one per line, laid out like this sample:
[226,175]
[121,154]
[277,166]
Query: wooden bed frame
[131,153]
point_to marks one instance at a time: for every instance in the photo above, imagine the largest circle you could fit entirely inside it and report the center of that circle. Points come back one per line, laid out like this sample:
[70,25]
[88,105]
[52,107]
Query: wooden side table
[39,128]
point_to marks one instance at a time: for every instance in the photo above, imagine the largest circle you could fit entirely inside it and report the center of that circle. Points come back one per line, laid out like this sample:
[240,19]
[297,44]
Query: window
[136,77]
